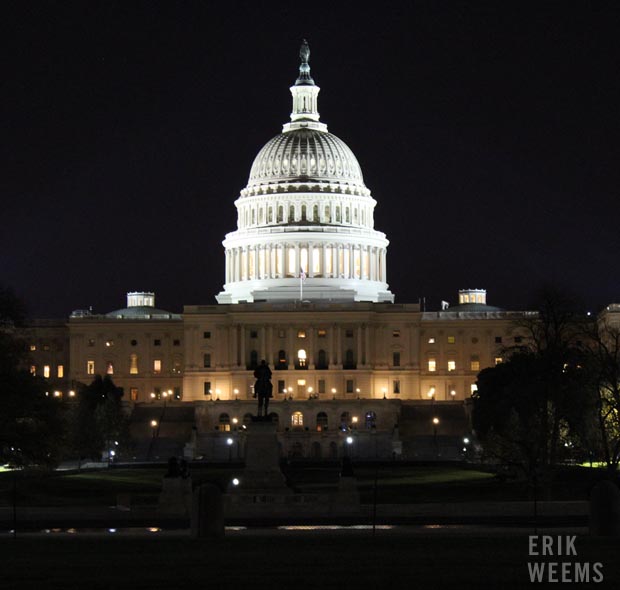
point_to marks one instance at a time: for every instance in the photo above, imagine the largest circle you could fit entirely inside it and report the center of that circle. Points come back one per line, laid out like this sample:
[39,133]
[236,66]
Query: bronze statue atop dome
[304,52]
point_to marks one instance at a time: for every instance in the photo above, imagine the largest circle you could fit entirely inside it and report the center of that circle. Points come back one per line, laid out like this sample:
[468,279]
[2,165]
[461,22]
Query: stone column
[351,261]
[324,258]
[383,261]
[234,353]
[297,260]
[311,259]
[338,354]
[262,344]
[290,352]
[310,351]
[359,346]
[242,359]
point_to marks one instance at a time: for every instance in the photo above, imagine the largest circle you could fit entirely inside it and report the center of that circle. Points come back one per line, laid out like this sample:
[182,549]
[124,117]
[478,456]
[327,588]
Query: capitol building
[306,289]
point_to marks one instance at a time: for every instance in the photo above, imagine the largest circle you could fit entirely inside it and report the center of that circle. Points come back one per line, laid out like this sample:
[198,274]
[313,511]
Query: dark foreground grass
[294,560]
[396,484]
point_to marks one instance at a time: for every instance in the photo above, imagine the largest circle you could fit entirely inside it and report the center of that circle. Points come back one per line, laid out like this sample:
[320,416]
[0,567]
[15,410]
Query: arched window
[253,216]
[348,215]
[322,360]
[327,215]
[315,450]
[345,421]
[337,214]
[291,214]
[301,359]
[280,214]
[224,423]
[270,214]
[297,450]
[315,213]
[247,419]
[274,417]
[303,213]
[297,420]
[253,359]
[133,364]
[282,364]
[333,450]
[371,419]
[321,421]
[349,360]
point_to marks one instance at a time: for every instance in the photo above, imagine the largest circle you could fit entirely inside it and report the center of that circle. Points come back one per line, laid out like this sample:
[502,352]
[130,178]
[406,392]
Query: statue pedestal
[262,472]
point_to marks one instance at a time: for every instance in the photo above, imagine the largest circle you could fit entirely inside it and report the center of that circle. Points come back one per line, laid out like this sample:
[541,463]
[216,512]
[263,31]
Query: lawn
[396,483]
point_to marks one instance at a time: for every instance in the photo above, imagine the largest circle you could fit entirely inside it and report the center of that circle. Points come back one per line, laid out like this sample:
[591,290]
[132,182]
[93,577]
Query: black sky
[488,132]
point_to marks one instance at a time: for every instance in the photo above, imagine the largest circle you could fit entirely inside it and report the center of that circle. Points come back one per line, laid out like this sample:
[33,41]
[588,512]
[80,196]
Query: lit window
[224,423]
[157,366]
[451,365]
[90,367]
[301,334]
[297,420]
[451,339]
[33,347]
[473,388]
[321,333]
[133,394]
[133,364]
[301,357]
[474,364]
[396,333]
[109,368]
[46,371]
[33,370]
[396,359]
[396,386]
[60,371]
[498,360]
[431,341]
[432,365]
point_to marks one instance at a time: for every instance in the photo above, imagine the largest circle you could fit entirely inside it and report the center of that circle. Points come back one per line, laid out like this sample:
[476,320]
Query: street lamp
[229,442]
[384,391]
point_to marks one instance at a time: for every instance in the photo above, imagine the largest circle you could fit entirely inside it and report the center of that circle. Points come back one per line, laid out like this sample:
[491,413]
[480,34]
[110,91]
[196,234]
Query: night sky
[488,132]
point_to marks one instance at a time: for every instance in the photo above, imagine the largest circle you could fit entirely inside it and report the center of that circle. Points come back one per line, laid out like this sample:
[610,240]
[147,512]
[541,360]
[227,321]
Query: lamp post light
[384,391]
[236,392]
[435,424]
[229,442]
[334,393]
[154,424]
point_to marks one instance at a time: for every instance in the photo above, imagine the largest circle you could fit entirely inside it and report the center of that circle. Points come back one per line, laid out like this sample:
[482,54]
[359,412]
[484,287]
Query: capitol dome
[305,225]
[313,155]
